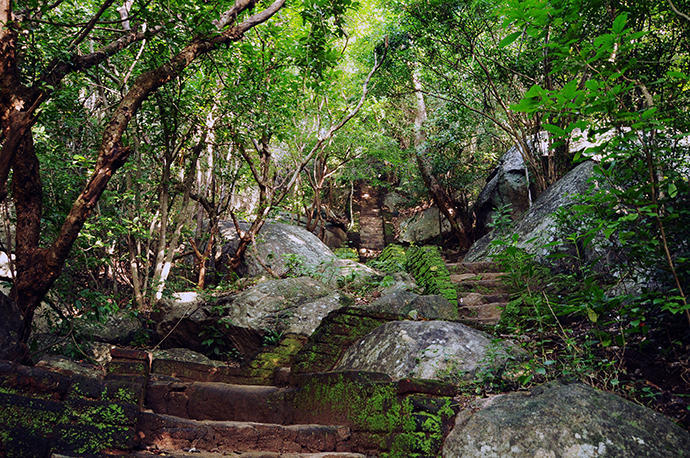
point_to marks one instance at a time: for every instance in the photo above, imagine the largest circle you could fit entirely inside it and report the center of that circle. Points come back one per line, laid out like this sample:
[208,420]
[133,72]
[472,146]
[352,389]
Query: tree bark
[444,202]
[38,267]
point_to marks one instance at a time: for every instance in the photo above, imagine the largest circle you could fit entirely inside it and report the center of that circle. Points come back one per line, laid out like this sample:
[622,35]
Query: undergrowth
[575,329]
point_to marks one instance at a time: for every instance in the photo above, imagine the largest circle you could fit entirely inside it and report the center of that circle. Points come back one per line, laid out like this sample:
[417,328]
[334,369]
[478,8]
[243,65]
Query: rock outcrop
[415,306]
[291,249]
[294,305]
[240,321]
[538,226]
[506,185]
[433,350]
[571,420]
[423,226]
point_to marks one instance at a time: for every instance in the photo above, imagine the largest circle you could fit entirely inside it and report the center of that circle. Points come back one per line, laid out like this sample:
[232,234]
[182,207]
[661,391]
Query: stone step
[256,454]
[175,434]
[471,276]
[219,401]
[491,286]
[472,267]
[483,313]
[472,299]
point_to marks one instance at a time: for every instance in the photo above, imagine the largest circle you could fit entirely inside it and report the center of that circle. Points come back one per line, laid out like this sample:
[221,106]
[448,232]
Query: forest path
[371,231]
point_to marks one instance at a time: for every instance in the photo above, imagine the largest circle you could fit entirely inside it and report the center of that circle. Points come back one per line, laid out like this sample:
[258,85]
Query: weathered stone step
[201,454]
[171,433]
[219,401]
[482,286]
[483,313]
[471,299]
[471,276]
[473,267]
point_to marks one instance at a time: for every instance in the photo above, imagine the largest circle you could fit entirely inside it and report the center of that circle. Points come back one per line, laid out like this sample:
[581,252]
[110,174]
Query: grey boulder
[557,420]
[294,305]
[423,226]
[240,321]
[538,226]
[287,248]
[404,302]
[506,185]
[433,350]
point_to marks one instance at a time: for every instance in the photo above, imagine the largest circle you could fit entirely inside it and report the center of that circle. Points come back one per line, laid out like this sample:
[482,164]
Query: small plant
[272,337]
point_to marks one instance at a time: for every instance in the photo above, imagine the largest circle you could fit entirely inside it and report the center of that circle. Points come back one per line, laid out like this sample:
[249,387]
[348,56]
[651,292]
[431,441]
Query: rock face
[118,328]
[566,421]
[537,226]
[435,350]
[507,184]
[290,305]
[275,244]
[423,226]
[285,248]
[403,302]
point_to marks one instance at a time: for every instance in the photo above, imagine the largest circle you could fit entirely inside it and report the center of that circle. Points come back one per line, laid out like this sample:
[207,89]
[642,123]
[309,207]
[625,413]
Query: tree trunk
[443,201]
[37,266]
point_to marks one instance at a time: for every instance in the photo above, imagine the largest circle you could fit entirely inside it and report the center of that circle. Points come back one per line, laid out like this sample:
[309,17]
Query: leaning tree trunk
[37,266]
[441,198]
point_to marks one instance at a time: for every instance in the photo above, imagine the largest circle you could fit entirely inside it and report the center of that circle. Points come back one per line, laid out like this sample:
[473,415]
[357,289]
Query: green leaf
[619,23]
[509,39]
[629,217]
[557,131]
[672,190]
[592,315]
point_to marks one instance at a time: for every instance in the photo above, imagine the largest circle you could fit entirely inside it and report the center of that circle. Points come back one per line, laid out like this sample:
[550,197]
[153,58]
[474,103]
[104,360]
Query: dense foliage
[129,132]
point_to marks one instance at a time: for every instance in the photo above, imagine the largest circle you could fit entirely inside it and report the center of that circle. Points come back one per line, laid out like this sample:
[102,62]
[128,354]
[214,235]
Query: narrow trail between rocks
[370,219]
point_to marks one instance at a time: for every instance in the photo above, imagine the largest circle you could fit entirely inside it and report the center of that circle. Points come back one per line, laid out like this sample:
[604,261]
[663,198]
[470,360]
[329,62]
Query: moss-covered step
[337,331]
[385,417]
[429,270]
[44,412]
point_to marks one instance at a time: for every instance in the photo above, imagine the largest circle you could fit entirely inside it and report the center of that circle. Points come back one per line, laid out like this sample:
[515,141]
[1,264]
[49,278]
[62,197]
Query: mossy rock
[429,270]
[384,421]
[337,331]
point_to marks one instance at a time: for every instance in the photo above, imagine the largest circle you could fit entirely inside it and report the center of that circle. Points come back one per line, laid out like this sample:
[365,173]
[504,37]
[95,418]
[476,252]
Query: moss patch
[426,265]
[397,425]
[337,331]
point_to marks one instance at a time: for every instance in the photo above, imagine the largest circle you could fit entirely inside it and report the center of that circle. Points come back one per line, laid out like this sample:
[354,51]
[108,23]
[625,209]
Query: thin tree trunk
[441,198]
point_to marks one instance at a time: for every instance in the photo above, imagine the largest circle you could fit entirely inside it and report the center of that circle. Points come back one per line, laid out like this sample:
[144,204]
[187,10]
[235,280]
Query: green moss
[334,335]
[391,260]
[346,253]
[426,265]
[265,363]
[77,425]
[372,406]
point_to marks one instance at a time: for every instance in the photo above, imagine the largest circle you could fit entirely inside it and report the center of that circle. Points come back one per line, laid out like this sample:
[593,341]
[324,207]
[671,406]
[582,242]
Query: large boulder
[538,226]
[290,305]
[423,226]
[286,248]
[406,303]
[506,185]
[557,420]
[239,322]
[434,350]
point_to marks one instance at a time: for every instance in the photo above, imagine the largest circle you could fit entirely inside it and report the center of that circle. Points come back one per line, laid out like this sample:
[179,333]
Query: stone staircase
[227,418]
[482,295]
